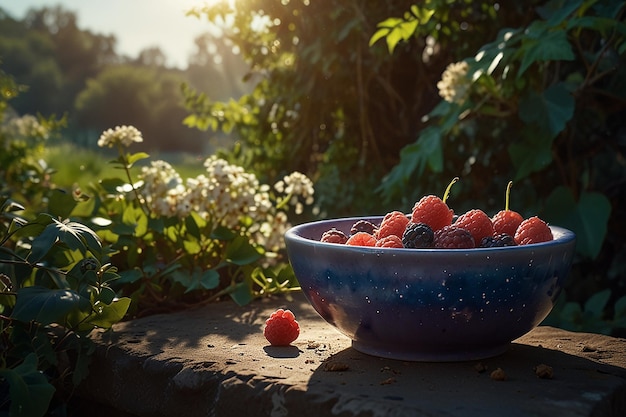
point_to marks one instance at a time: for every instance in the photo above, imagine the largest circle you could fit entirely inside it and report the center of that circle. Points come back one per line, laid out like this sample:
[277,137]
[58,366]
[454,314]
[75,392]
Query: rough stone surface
[214,361]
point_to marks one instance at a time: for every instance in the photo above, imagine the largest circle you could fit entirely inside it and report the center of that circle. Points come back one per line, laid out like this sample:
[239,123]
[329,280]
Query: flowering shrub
[22,139]
[186,241]
[454,85]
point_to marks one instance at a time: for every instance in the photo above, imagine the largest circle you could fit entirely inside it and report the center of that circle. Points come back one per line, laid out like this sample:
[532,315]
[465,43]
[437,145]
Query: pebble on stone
[544,371]
[498,375]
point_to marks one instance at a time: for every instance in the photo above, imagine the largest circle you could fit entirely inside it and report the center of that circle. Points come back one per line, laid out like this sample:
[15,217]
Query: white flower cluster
[226,194]
[162,189]
[454,85]
[294,186]
[26,128]
[122,135]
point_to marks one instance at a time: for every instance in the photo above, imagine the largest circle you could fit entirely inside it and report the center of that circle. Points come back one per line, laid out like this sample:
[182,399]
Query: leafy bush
[54,290]
[55,287]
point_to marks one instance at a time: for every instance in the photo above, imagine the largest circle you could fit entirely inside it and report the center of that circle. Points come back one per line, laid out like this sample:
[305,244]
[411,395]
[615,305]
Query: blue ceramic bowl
[429,304]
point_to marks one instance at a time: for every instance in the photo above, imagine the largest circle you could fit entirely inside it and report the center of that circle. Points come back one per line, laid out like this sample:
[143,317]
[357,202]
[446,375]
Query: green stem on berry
[506,196]
[447,193]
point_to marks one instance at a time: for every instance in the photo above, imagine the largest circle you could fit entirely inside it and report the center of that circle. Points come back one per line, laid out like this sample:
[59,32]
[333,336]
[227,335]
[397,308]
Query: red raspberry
[391,241]
[432,211]
[361,239]
[477,223]
[533,230]
[334,236]
[281,328]
[393,223]
[506,221]
[452,237]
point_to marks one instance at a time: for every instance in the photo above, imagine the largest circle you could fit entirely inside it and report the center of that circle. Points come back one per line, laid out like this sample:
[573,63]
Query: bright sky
[136,24]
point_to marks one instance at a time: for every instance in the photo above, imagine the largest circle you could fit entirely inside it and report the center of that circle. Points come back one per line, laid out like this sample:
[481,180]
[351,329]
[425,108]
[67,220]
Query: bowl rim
[295,234]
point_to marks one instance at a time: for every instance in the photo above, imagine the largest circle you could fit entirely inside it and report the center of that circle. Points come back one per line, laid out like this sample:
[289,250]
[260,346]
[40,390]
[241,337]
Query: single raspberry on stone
[452,237]
[393,223]
[361,239]
[363,226]
[334,236]
[477,223]
[418,236]
[433,210]
[497,241]
[506,221]
[533,230]
[391,241]
[281,328]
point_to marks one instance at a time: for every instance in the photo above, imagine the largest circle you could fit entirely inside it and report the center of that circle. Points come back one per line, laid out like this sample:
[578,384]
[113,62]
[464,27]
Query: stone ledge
[214,361]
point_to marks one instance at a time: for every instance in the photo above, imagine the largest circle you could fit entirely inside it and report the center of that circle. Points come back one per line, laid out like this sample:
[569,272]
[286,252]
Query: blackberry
[452,237]
[363,226]
[497,241]
[334,236]
[418,235]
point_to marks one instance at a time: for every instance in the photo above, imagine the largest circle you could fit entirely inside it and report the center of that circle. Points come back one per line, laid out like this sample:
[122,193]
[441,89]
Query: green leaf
[596,303]
[192,246]
[83,359]
[192,227]
[393,38]
[29,388]
[129,276]
[43,243]
[132,158]
[241,252]
[61,204]
[531,154]
[414,158]
[544,46]
[422,14]
[134,216]
[394,30]
[587,218]
[425,152]
[111,185]
[550,111]
[600,24]
[198,279]
[620,309]
[572,313]
[78,236]
[556,11]
[106,315]
[241,294]
[223,233]
[210,279]
[44,305]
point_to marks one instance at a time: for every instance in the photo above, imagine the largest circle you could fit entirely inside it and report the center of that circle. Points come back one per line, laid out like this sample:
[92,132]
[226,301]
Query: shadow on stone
[282,351]
[359,384]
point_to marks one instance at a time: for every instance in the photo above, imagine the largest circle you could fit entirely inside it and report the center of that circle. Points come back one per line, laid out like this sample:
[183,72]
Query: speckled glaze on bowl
[429,304]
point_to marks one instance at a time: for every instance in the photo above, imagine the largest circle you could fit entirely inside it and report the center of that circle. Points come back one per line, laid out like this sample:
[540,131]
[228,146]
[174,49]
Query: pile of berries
[432,224]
